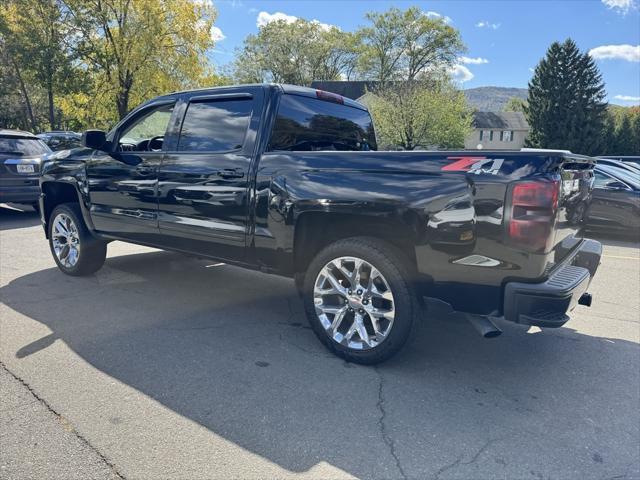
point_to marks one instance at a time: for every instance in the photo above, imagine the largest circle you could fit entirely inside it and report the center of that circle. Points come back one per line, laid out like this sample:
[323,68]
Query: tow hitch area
[585,299]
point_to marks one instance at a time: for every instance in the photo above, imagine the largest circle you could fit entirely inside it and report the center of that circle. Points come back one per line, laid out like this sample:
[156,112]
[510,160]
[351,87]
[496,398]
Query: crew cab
[288,180]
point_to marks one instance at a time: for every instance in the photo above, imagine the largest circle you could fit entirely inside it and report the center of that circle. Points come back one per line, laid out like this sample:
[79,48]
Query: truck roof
[283,87]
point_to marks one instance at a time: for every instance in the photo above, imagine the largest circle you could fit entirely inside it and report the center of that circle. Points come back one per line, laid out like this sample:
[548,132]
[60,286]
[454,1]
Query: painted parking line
[624,258]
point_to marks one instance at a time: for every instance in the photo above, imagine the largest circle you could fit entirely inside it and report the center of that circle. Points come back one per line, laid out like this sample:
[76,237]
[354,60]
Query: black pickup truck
[287,180]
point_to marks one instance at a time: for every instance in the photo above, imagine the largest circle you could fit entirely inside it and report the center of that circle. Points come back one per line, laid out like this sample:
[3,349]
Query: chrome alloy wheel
[66,240]
[354,303]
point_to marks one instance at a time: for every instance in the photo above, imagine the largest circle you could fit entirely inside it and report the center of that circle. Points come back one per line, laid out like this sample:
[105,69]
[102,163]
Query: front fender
[64,181]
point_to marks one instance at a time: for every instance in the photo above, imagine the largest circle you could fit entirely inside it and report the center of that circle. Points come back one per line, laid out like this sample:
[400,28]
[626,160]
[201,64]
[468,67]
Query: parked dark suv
[21,155]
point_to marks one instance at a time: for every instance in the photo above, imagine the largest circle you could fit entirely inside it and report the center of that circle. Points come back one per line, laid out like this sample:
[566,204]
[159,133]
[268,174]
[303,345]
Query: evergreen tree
[609,139]
[625,137]
[635,128]
[566,107]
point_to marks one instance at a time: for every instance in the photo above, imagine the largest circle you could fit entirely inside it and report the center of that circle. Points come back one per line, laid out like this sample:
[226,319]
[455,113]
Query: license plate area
[25,169]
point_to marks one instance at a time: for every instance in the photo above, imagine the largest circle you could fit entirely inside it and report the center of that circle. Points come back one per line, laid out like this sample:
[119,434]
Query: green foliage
[566,107]
[621,133]
[624,138]
[81,63]
[635,128]
[421,114]
[515,104]
[297,53]
[396,45]
[34,57]
[608,145]
[138,49]
[403,45]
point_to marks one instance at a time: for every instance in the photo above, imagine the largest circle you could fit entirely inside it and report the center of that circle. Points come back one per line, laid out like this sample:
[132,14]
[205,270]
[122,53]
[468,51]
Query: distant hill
[493,99]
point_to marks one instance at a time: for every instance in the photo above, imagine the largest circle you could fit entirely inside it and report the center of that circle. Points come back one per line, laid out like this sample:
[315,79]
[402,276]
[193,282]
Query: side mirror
[94,139]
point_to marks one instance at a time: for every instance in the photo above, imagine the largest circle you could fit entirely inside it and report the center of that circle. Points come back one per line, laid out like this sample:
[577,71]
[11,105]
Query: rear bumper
[20,194]
[546,304]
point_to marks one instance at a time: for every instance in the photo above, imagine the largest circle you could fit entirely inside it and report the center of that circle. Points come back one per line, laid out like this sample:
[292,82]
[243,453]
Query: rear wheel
[74,249]
[359,299]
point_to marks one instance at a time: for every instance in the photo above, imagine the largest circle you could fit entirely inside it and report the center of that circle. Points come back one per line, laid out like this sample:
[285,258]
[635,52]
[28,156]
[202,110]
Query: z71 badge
[477,165]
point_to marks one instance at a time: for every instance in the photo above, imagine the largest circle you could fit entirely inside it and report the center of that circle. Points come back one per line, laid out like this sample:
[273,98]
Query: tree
[566,107]
[403,45]
[135,49]
[33,42]
[419,115]
[635,128]
[608,146]
[625,137]
[297,52]
[515,104]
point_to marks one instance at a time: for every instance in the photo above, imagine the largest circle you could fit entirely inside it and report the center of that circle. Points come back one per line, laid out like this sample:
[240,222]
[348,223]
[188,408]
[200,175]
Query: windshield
[24,147]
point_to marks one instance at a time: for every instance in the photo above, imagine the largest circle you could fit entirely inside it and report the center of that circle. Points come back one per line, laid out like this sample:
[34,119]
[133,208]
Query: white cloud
[621,6]
[431,14]
[265,18]
[532,69]
[487,24]
[627,98]
[216,34]
[472,61]
[629,53]
[460,73]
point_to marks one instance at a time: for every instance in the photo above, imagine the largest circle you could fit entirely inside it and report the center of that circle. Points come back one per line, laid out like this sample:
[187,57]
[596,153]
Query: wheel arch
[314,230]
[56,193]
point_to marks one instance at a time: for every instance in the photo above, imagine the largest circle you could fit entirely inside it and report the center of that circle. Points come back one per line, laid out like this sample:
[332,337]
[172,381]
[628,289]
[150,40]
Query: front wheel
[74,249]
[360,300]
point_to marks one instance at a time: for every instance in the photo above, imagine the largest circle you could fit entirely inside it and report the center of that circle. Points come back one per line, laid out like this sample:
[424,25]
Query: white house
[497,131]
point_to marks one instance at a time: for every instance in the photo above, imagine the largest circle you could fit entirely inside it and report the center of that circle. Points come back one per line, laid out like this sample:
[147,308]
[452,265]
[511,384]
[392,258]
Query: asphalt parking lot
[163,366]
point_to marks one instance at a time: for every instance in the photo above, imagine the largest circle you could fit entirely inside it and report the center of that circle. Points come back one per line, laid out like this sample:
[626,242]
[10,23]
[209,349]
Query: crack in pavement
[475,458]
[65,423]
[383,428]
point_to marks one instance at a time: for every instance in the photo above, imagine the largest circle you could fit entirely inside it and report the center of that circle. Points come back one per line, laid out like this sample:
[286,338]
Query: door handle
[231,173]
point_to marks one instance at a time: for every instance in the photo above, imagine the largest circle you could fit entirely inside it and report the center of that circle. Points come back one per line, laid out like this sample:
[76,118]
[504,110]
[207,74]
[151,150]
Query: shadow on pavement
[232,350]
[17,216]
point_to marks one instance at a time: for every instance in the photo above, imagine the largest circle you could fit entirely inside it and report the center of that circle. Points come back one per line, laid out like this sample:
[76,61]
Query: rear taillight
[533,212]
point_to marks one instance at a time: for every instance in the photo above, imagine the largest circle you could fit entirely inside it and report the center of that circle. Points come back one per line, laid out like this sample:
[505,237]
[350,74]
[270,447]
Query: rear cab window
[215,125]
[310,124]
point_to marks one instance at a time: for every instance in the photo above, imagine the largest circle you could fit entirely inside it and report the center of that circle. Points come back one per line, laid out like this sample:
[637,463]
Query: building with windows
[497,131]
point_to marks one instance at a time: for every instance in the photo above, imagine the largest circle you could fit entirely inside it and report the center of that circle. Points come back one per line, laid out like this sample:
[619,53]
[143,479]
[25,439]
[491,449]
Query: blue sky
[505,38]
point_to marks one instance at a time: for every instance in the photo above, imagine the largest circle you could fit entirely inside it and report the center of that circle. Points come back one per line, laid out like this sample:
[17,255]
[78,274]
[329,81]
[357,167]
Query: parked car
[61,140]
[21,155]
[286,180]
[634,160]
[615,205]
[630,167]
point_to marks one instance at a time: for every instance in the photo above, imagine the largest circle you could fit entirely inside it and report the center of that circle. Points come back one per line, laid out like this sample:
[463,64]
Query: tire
[392,292]
[66,227]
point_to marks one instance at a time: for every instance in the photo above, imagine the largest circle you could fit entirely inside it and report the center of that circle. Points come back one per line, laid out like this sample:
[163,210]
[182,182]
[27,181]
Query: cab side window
[215,125]
[151,125]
